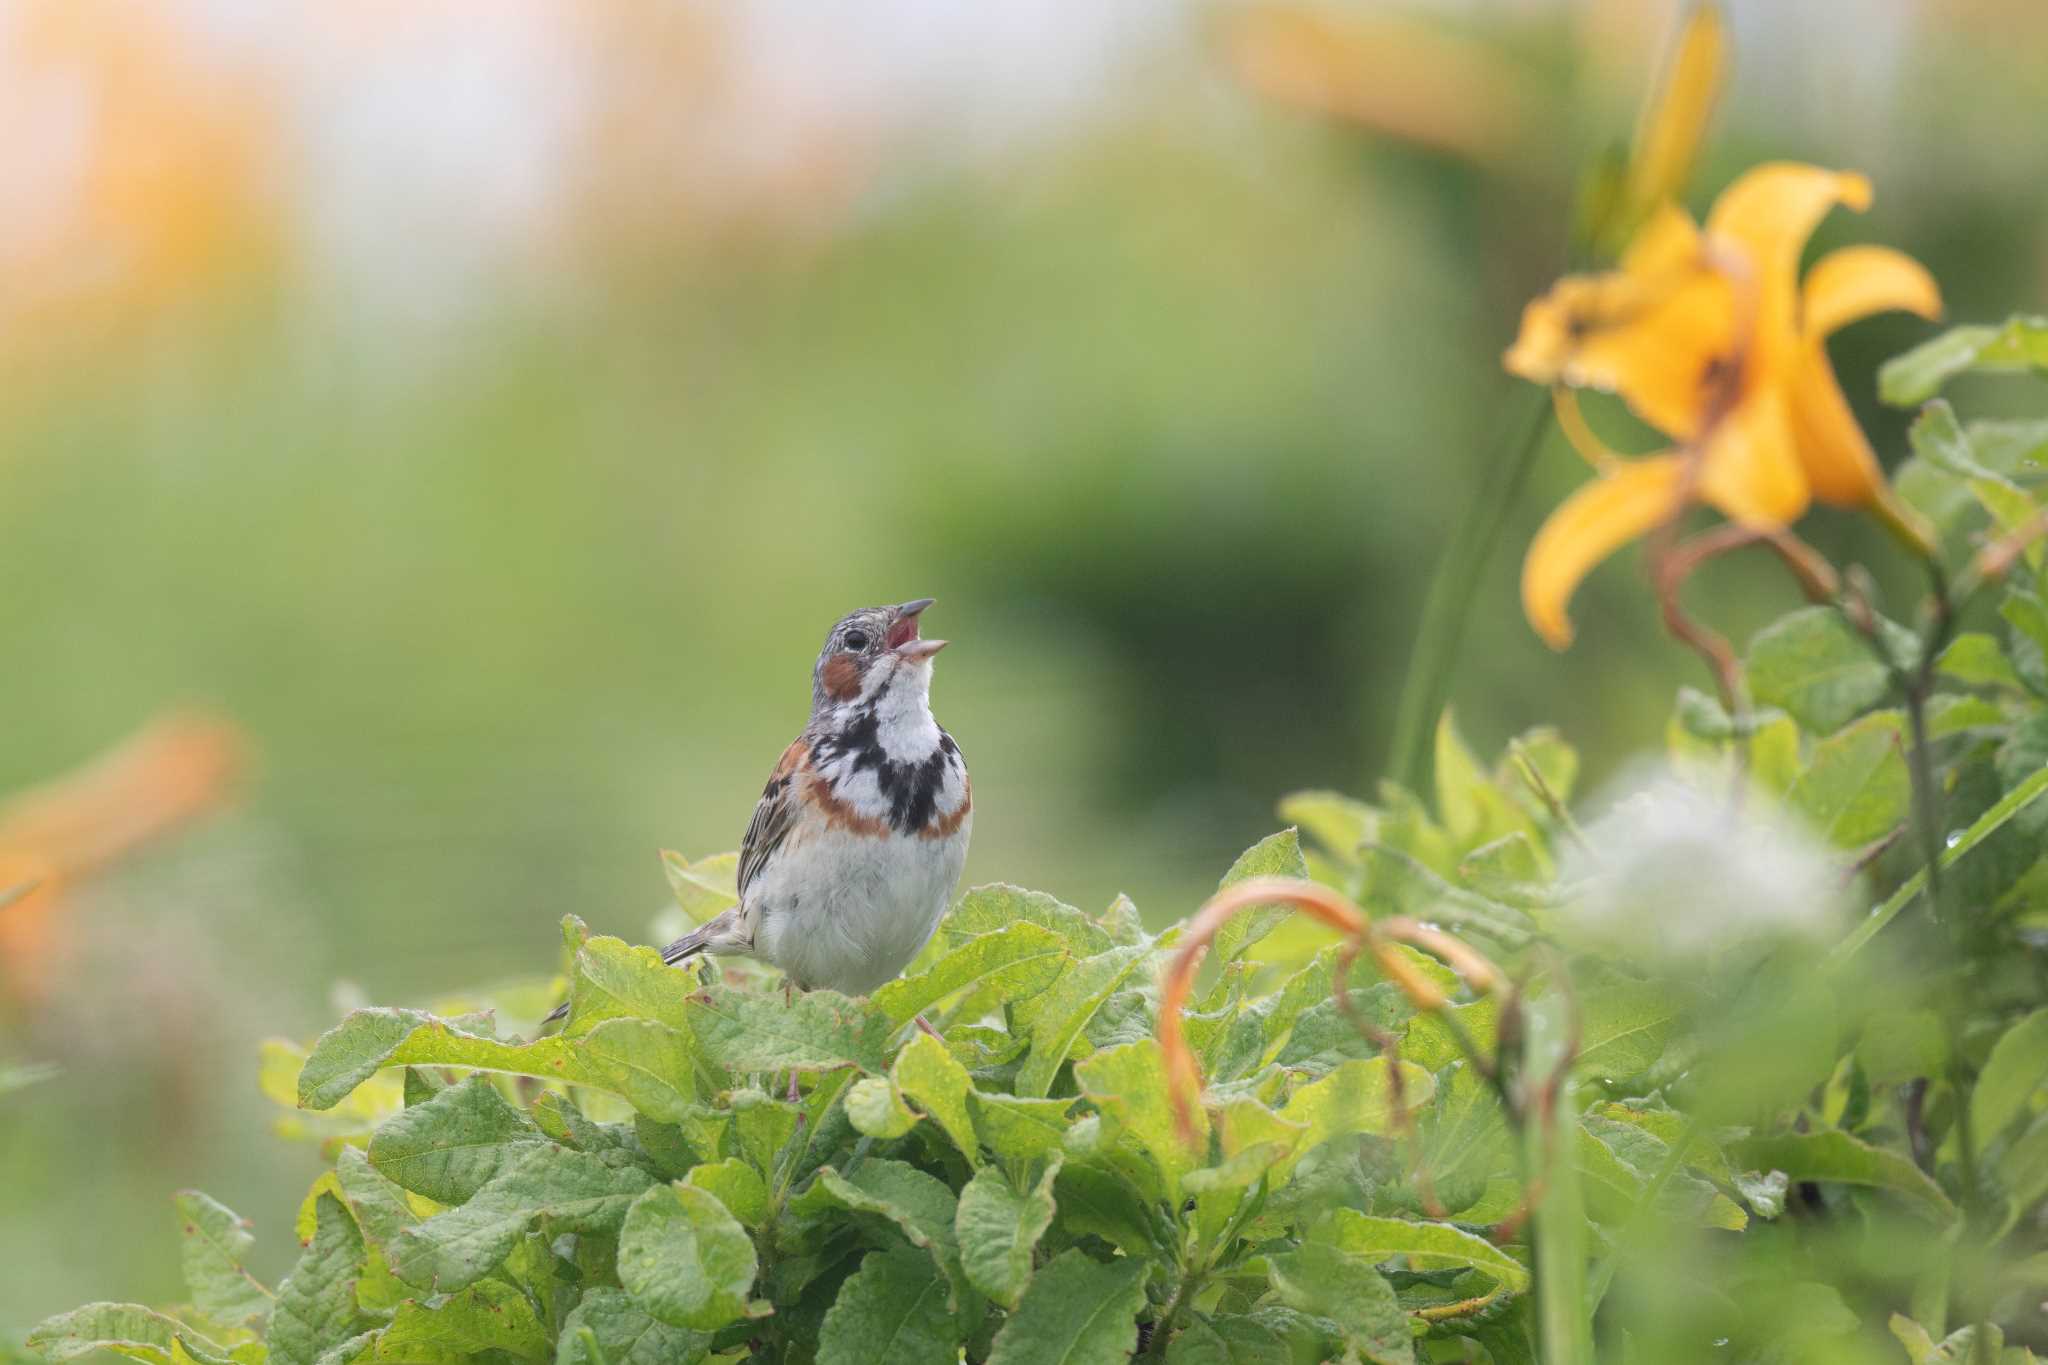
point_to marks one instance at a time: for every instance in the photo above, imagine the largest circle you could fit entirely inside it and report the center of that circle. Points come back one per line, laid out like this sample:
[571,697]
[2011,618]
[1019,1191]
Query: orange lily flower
[1710,336]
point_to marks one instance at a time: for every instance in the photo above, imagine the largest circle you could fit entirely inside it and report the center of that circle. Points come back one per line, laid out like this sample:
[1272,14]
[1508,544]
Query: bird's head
[873,651]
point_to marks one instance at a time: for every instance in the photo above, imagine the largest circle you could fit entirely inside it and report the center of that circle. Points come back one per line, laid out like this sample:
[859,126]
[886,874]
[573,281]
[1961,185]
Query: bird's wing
[774,815]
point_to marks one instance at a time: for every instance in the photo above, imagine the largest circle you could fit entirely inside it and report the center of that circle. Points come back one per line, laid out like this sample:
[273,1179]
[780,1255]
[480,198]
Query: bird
[860,835]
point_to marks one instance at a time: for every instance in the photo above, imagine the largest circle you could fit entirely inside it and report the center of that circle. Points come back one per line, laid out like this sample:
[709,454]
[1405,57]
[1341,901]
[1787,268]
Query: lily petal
[1750,468]
[1850,284]
[1839,463]
[1587,527]
[1767,215]
[1668,137]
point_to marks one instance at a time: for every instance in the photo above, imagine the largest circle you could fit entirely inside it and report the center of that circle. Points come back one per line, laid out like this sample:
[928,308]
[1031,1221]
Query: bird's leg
[794,1096]
[925,1025]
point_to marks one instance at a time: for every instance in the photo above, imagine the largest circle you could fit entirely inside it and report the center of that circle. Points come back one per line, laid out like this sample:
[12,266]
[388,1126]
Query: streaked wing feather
[774,815]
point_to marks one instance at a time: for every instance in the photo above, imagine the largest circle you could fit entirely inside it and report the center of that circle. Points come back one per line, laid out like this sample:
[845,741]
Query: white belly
[847,912]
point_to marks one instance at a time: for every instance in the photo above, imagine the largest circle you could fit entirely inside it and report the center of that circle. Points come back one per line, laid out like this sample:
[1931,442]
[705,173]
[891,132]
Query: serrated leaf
[126,1329]
[1276,855]
[892,1311]
[1839,1158]
[1426,1245]
[448,1147]
[744,1030]
[1349,1291]
[1077,1311]
[576,1191]
[215,1257]
[1856,788]
[1057,1017]
[622,1333]
[1098,1202]
[993,908]
[1813,665]
[2013,1074]
[999,1227]
[1018,960]
[1129,1084]
[930,1079]
[316,1304]
[685,1259]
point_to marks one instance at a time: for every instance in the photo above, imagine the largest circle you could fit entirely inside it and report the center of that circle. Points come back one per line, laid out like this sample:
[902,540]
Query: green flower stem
[1456,581]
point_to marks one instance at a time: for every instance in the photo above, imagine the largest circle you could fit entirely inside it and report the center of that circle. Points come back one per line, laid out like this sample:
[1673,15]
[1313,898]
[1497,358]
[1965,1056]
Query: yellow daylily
[1710,336]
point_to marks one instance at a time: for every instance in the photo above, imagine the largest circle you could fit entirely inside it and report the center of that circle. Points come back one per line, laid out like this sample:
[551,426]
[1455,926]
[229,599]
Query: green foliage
[1664,1122]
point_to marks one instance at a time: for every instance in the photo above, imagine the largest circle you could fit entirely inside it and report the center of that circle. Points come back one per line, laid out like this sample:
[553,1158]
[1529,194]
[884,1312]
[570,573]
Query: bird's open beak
[903,637]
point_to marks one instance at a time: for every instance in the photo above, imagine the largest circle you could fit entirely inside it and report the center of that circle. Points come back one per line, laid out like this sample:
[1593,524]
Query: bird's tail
[682,950]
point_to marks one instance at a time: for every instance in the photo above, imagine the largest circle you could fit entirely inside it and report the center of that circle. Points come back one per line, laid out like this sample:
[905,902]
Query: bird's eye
[855,640]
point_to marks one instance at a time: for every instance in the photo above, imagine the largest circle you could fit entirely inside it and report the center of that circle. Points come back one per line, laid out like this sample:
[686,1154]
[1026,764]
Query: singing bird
[858,840]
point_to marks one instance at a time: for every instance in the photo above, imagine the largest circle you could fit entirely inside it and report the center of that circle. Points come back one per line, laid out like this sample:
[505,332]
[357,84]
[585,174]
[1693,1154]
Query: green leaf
[736,1185]
[994,908]
[1357,1097]
[492,1316]
[2012,1075]
[1813,665]
[929,1077]
[916,1204]
[1056,1018]
[215,1260]
[576,1191]
[745,1030]
[999,1228]
[704,888]
[316,1304]
[1938,438]
[890,1312]
[622,1333]
[1985,825]
[612,979]
[1474,808]
[1839,1158]
[126,1329]
[2026,619]
[1020,1129]
[1276,855]
[875,1108]
[1330,1283]
[1624,1026]
[1017,961]
[685,1259]
[1337,822]
[1427,1245]
[1856,789]
[451,1145]
[368,1040]
[1077,1311]
[648,1064]
[2020,343]
[1226,1339]
[1096,1201]
[1129,1083]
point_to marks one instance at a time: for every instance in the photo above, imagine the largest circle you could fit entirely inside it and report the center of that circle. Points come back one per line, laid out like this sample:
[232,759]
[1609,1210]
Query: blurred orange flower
[176,768]
[1711,337]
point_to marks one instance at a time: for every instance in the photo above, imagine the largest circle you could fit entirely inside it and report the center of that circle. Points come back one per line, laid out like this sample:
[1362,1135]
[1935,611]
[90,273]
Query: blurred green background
[487,408]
